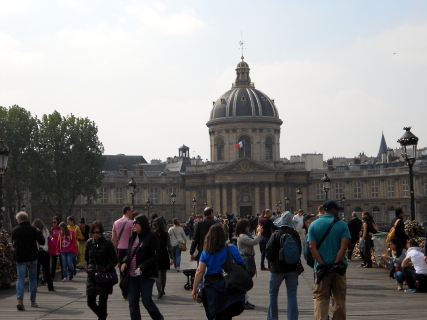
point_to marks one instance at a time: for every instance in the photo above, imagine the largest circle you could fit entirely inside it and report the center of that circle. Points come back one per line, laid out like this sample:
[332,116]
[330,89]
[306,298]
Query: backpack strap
[121,231]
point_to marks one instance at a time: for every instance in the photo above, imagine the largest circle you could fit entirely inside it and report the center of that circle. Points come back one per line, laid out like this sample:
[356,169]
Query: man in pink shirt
[122,230]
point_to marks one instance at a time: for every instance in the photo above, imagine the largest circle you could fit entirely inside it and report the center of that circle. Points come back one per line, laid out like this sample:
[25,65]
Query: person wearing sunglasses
[100,256]
[54,233]
[141,261]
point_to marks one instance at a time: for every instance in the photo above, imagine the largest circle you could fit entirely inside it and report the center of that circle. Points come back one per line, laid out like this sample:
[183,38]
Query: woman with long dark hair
[219,302]
[142,263]
[367,242]
[396,255]
[43,255]
[74,227]
[100,255]
[165,255]
[66,247]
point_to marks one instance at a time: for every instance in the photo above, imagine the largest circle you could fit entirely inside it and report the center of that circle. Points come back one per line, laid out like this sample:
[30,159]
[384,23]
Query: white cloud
[156,18]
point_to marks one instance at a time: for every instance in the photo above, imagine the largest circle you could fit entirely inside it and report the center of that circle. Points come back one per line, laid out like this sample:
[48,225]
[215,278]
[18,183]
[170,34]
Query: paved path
[371,295]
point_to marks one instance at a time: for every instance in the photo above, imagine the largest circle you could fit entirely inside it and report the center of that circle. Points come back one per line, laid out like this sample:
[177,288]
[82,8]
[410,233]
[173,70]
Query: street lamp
[343,199]
[23,207]
[4,156]
[409,143]
[173,198]
[132,190]
[194,205]
[279,205]
[299,195]
[326,185]
[148,206]
[286,203]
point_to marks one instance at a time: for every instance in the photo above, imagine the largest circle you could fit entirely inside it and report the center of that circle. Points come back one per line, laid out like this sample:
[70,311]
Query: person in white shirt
[176,233]
[414,268]
[299,218]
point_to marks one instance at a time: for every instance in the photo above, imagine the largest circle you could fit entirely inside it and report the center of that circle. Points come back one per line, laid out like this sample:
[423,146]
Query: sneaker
[399,287]
[249,306]
[34,304]
[411,290]
[362,265]
[368,266]
[65,279]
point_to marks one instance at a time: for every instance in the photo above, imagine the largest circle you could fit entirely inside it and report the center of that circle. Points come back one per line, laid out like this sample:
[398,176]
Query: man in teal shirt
[332,251]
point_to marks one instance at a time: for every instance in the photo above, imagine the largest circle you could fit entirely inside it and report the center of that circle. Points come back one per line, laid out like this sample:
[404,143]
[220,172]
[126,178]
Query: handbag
[104,277]
[250,264]
[181,245]
[124,281]
[235,276]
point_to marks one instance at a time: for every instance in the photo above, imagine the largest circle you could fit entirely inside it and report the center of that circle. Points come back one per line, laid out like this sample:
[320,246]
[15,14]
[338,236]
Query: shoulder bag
[235,276]
[104,277]
[124,281]
[181,245]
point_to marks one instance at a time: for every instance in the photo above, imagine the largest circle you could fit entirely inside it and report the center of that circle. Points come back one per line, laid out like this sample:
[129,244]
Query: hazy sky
[147,72]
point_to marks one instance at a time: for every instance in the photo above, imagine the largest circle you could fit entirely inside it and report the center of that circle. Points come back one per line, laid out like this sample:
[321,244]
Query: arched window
[376,213]
[268,148]
[220,149]
[391,213]
[245,151]
[358,210]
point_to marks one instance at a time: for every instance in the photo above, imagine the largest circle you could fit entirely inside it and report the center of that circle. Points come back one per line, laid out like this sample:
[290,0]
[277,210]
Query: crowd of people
[144,249]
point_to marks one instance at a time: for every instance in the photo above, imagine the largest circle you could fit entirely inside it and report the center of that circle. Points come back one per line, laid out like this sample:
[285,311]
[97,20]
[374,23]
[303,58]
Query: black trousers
[412,278]
[99,309]
[44,261]
[53,261]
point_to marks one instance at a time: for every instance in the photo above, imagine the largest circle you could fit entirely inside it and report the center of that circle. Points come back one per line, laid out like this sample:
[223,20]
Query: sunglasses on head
[95,232]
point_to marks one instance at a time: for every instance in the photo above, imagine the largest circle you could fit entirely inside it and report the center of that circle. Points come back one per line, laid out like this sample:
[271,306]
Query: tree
[20,131]
[70,162]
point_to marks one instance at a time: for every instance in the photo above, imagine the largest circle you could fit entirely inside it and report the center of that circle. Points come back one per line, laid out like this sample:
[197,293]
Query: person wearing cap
[330,256]
[84,228]
[299,218]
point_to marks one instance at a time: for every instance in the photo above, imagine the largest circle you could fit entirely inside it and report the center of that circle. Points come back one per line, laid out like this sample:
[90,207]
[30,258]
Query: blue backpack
[290,251]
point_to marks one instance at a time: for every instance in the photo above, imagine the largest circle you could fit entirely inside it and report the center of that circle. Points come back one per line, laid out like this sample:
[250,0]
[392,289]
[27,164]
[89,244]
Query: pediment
[245,165]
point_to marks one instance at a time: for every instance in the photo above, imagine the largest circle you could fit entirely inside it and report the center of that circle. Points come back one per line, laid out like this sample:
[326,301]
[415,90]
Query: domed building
[244,114]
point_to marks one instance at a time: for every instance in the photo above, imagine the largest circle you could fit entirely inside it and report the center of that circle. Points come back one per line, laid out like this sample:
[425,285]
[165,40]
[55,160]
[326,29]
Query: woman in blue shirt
[219,302]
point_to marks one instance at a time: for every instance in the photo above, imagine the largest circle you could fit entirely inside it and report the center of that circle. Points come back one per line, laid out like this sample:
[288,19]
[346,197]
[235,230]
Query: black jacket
[147,253]
[399,231]
[24,240]
[272,251]
[355,225]
[106,258]
[201,229]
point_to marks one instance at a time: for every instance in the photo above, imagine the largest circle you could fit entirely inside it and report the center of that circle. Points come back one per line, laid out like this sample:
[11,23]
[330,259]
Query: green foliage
[69,161]
[19,130]
[55,159]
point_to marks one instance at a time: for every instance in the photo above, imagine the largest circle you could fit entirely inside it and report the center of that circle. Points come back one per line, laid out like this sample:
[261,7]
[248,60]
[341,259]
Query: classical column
[267,196]
[209,197]
[257,200]
[217,203]
[224,199]
[274,198]
[234,199]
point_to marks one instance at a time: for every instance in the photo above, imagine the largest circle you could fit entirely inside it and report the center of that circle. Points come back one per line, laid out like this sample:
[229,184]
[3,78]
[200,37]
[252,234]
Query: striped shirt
[132,266]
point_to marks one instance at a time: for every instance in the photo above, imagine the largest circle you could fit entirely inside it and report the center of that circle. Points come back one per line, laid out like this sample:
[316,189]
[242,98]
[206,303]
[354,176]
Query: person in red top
[54,233]
[67,248]
[268,227]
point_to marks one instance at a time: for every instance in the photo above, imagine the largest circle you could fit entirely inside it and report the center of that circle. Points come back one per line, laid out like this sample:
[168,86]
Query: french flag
[240,145]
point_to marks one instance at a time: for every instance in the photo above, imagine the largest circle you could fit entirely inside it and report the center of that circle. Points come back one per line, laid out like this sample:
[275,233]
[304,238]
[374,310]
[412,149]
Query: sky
[146,72]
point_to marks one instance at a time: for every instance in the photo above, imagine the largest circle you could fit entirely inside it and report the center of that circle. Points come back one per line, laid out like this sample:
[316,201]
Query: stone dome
[243,102]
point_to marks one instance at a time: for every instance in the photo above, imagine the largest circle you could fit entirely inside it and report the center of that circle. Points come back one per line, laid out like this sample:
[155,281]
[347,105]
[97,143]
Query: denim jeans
[176,257]
[262,245]
[276,279]
[144,288]
[399,276]
[21,269]
[67,261]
